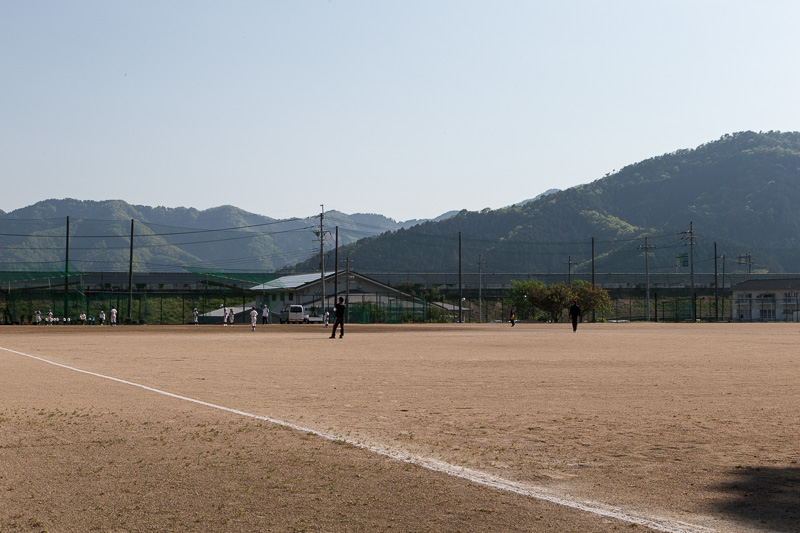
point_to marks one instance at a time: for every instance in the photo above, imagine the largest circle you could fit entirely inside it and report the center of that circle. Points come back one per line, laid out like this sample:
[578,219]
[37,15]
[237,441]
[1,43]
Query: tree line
[534,300]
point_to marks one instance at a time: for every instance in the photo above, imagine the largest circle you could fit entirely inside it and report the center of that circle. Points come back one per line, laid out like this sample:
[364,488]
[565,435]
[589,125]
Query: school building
[767,300]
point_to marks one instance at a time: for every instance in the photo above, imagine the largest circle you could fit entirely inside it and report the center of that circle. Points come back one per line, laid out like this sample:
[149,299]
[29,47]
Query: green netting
[387,309]
[152,307]
[255,278]
[37,271]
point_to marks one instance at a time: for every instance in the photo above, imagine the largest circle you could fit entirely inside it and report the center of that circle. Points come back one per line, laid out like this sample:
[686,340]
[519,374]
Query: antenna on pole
[745,259]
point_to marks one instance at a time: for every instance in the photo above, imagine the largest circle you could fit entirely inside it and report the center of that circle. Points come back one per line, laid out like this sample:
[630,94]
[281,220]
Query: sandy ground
[691,426]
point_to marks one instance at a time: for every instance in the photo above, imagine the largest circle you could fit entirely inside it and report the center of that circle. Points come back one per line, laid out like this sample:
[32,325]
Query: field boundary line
[476,476]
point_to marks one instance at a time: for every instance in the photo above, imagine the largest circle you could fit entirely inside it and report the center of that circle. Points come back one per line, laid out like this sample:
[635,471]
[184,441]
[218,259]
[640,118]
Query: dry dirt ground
[671,427]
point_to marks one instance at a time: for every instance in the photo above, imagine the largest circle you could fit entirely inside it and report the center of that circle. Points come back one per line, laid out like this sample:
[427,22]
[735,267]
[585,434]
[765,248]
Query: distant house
[767,300]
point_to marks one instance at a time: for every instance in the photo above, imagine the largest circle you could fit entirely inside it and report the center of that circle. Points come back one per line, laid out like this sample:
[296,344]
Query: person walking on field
[339,318]
[254,317]
[265,315]
[575,315]
[512,317]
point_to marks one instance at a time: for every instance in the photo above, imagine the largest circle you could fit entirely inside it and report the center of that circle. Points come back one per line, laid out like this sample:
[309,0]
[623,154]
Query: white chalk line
[475,476]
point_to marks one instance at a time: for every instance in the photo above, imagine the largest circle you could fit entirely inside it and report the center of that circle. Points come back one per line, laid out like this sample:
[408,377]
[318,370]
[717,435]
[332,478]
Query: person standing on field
[339,319]
[575,315]
[113,316]
[265,315]
[102,317]
[512,317]
[195,316]
[253,317]
[37,317]
[231,316]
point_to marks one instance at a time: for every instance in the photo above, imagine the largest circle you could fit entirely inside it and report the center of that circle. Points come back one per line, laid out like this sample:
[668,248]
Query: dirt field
[674,427]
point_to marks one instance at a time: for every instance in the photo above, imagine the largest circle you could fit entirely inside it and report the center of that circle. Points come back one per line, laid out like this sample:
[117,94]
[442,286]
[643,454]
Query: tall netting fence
[152,298]
[387,308]
[170,298]
[141,307]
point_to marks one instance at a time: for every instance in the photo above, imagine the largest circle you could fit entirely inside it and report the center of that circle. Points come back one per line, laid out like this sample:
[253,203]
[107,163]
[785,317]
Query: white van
[293,313]
[298,314]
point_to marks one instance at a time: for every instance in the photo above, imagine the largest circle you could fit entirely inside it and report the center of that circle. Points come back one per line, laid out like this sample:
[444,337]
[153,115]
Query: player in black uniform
[339,320]
[575,315]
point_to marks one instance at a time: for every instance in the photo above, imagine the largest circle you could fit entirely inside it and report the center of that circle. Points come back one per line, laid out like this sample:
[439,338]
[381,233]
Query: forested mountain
[741,191]
[167,239]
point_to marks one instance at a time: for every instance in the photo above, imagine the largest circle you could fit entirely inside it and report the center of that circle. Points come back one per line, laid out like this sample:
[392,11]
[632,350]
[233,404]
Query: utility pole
[130,280]
[335,271]
[723,285]
[322,254]
[569,264]
[691,244]
[480,289]
[646,249]
[66,275]
[716,286]
[347,290]
[460,285]
[593,311]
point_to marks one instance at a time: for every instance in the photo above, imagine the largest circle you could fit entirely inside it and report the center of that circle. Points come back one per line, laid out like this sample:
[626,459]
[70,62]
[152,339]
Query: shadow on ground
[763,498]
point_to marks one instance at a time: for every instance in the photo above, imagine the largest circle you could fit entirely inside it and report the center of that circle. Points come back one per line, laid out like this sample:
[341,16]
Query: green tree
[590,298]
[517,296]
[552,300]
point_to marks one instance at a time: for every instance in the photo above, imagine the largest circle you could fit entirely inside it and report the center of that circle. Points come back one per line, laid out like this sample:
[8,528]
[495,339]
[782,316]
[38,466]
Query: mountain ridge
[163,235]
[738,192]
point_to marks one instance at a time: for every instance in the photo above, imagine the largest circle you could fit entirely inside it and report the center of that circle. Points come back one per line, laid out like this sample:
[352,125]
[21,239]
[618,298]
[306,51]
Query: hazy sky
[404,108]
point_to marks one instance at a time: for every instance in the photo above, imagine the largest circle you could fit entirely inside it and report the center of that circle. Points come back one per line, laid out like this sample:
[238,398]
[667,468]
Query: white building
[367,300]
[306,289]
[767,300]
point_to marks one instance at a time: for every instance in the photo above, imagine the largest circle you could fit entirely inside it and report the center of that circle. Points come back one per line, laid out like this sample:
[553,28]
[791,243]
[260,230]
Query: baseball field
[455,427]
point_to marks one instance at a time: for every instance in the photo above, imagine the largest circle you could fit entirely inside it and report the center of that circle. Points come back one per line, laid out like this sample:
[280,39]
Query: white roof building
[306,289]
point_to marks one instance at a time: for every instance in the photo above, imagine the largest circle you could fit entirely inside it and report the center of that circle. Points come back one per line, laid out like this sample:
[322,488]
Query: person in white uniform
[253,317]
